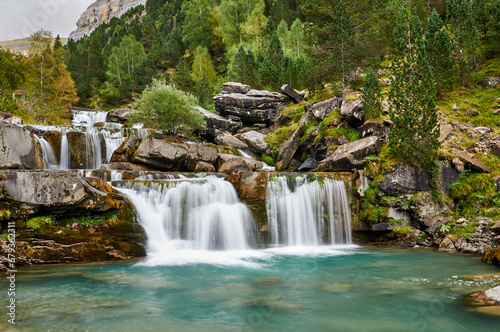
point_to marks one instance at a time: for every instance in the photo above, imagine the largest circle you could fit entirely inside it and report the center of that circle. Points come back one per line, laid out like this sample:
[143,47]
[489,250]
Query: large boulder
[296,97]
[199,153]
[84,149]
[216,124]
[375,128]
[250,162]
[59,190]
[10,119]
[470,161]
[350,156]
[255,141]
[259,106]
[352,110]
[235,165]
[161,154]
[322,109]
[227,139]
[289,147]
[408,179]
[19,148]
[445,131]
[126,151]
[234,87]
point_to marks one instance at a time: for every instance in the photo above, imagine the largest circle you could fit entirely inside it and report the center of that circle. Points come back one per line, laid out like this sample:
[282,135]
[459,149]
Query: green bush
[39,222]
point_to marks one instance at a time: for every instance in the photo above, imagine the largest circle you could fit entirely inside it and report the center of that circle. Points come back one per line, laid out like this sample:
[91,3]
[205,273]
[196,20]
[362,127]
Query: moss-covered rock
[492,256]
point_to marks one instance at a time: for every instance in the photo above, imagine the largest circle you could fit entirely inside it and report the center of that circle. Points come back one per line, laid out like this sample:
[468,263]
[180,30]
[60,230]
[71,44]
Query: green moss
[88,220]
[369,211]
[404,230]
[5,214]
[279,136]
[39,222]
[5,235]
[268,160]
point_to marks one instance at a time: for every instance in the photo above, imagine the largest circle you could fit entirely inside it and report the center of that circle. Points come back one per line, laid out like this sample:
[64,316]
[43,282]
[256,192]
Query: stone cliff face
[102,11]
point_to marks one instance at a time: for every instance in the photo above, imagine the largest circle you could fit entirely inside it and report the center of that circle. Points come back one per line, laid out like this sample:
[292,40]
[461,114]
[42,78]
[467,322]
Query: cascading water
[93,151]
[65,153]
[302,212]
[49,156]
[191,214]
[88,118]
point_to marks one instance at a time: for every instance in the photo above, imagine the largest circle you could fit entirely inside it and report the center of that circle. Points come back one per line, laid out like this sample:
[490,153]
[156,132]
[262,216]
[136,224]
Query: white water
[302,212]
[49,156]
[88,118]
[190,215]
[65,153]
[93,151]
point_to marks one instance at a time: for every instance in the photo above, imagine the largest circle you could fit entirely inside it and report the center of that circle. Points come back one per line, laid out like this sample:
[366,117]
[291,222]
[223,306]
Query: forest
[198,45]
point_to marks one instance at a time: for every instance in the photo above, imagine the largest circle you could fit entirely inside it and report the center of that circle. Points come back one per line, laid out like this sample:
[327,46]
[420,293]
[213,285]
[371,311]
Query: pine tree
[343,42]
[439,49]
[271,69]
[372,96]
[281,11]
[182,77]
[243,68]
[204,92]
[461,18]
[416,127]
[57,43]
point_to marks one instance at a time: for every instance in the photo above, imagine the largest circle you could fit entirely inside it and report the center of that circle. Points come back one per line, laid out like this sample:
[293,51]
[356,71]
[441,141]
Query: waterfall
[88,118]
[65,154]
[196,214]
[49,156]
[93,151]
[305,212]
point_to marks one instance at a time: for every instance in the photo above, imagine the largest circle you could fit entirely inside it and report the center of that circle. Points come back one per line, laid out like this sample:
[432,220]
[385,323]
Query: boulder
[322,109]
[490,82]
[352,110]
[251,163]
[371,128]
[479,132]
[10,119]
[342,140]
[492,256]
[161,154]
[445,131]
[296,97]
[446,245]
[64,190]
[227,139]
[254,106]
[255,141]
[234,165]
[197,153]
[118,115]
[125,166]
[216,124]
[126,151]
[495,149]
[350,156]
[19,148]
[470,161]
[309,164]
[288,149]
[202,166]
[83,149]
[234,87]
[408,179]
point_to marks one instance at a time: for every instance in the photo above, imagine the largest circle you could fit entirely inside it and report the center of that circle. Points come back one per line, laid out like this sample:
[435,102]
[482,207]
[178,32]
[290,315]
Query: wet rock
[350,155]
[126,151]
[253,186]
[81,146]
[296,97]
[197,153]
[445,131]
[118,115]
[125,166]
[10,119]
[492,256]
[352,110]
[322,109]
[255,141]
[234,165]
[216,124]
[470,161]
[19,148]
[234,87]
[227,139]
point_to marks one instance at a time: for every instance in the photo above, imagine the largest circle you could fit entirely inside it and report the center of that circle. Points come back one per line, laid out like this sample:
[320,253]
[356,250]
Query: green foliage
[474,194]
[243,68]
[434,171]
[202,65]
[11,70]
[197,28]
[88,220]
[182,77]
[416,128]
[369,210]
[461,230]
[165,107]
[372,96]
[39,222]
[404,230]
[204,92]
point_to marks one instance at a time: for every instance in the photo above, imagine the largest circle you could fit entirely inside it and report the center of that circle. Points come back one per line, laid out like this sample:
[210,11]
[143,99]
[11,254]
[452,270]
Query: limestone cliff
[102,11]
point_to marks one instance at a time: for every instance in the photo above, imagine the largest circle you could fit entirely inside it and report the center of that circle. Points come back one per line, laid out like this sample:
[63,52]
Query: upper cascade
[99,12]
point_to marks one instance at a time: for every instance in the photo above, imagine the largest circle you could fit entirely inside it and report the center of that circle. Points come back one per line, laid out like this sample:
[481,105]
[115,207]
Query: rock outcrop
[99,12]
[216,124]
[251,106]
[19,148]
[83,148]
[255,141]
[322,109]
[350,156]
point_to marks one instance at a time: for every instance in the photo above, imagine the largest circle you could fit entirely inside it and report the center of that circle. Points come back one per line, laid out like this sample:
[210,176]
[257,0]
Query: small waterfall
[191,214]
[93,151]
[304,212]
[65,153]
[88,118]
[49,157]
